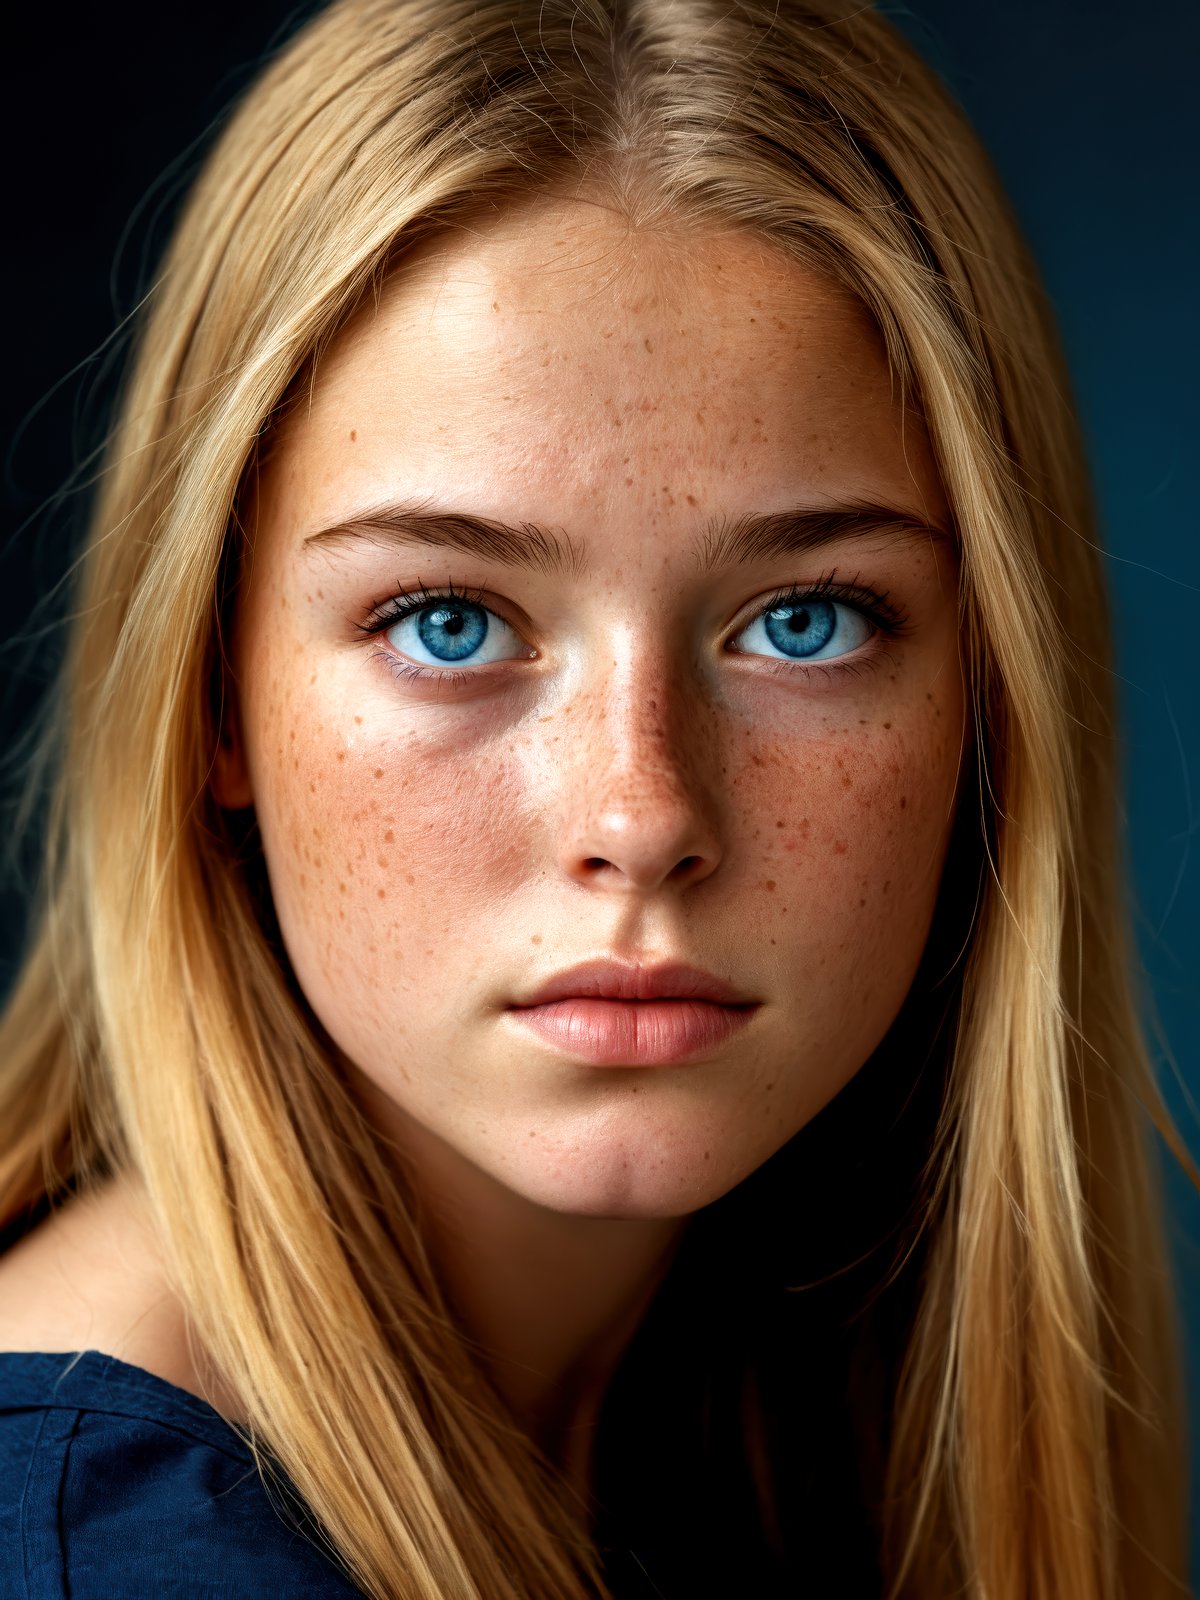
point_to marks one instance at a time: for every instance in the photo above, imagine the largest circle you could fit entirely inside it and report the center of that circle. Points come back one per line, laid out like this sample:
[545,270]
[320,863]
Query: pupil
[454,622]
[799,621]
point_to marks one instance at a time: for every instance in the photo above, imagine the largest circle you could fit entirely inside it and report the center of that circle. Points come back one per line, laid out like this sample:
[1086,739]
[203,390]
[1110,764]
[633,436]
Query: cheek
[384,850]
[848,837]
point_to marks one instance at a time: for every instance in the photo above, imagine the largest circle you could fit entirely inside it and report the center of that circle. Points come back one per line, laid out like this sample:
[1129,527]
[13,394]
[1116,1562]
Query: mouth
[614,1014]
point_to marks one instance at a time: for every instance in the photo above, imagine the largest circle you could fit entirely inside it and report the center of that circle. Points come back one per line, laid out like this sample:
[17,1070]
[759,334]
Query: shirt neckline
[92,1380]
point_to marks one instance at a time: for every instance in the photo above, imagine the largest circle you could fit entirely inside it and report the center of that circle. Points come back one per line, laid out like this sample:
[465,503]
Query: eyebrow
[752,537]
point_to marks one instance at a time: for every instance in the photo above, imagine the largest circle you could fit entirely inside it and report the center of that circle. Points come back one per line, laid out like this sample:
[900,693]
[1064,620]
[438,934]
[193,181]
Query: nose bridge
[640,808]
[645,726]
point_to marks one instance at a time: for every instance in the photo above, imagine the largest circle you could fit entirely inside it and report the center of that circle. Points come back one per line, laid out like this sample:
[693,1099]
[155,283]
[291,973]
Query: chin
[633,1174]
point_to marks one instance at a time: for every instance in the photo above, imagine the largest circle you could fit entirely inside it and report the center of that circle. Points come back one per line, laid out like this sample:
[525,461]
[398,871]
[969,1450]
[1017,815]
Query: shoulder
[91,1277]
[118,1478]
[115,1484]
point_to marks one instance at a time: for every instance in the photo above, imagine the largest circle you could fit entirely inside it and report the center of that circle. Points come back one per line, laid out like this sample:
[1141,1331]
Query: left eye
[805,630]
[452,632]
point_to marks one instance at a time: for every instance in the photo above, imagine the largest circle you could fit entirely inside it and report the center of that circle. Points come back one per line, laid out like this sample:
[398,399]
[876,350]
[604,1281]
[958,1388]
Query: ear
[229,779]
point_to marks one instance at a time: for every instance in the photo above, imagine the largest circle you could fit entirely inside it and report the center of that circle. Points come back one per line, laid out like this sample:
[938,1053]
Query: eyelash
[405,601]
[889,619]
[403,604]
[886,614]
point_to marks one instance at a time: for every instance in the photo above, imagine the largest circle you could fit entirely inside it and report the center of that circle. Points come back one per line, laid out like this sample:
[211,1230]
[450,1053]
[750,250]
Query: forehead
[550,362]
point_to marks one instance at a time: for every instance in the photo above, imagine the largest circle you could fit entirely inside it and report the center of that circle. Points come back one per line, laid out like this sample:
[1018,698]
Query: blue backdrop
[1087,107]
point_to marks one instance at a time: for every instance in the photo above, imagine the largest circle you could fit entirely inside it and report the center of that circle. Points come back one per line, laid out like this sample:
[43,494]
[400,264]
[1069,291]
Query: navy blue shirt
[116,1485]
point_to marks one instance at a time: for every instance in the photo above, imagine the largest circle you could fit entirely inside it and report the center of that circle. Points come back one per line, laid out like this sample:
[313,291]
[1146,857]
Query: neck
[549,1301]
[552,1302]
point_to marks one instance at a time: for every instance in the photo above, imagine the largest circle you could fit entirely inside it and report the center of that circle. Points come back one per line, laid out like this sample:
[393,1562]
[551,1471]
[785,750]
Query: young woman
[579,1039]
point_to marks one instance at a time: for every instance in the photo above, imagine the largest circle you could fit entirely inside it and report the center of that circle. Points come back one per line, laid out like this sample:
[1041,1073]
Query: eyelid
[886,615]
[404,601]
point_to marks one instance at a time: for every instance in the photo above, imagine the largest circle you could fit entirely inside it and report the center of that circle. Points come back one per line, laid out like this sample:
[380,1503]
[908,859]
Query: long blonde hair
[1034,1446]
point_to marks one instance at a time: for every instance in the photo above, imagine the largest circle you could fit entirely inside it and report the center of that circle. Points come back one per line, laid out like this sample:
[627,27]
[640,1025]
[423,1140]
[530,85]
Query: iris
[451,631]
[801,630]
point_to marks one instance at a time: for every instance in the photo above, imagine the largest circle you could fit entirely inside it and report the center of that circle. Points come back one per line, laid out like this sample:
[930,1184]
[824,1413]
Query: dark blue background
[1088,111]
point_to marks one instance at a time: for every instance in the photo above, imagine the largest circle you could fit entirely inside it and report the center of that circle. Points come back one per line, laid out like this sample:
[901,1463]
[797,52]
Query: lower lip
[634,1033]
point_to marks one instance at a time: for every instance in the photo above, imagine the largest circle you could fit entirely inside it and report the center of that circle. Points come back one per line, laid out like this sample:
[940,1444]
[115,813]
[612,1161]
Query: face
[674,699]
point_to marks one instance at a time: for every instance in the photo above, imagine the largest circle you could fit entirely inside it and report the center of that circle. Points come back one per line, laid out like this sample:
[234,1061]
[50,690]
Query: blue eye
[453,632]
[806,629]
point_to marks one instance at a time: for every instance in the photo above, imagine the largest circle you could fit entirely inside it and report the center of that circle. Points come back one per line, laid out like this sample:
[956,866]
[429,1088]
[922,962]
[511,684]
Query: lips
[611,1014]
[612,980]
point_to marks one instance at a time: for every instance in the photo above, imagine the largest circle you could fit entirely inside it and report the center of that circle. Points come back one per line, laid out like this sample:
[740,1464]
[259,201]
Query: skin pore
[630,767]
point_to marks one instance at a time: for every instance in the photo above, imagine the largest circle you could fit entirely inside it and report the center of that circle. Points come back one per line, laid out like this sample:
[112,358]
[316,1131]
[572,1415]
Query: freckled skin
[630,787]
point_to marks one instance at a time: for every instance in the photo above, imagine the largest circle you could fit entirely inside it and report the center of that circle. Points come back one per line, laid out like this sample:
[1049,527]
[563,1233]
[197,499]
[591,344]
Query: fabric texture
[116,1485]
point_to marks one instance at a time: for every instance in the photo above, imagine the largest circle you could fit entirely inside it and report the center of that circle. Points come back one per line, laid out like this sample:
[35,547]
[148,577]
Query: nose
[639,810]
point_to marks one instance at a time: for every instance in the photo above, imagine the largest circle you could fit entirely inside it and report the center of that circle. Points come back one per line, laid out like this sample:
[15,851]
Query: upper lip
[617,980]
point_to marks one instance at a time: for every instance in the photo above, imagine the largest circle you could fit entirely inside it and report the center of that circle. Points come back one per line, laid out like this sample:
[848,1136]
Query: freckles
[800,837]
[874,804]
[472,831]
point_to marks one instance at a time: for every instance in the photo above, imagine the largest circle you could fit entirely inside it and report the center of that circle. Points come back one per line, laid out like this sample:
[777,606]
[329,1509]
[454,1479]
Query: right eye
[446,630]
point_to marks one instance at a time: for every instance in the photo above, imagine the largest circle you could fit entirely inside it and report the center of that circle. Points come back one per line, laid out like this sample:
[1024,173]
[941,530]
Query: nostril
[645,874]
